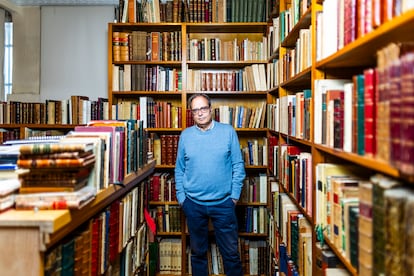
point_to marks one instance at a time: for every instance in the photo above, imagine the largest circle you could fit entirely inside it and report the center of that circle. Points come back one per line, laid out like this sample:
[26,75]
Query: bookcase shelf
[303,23]
[362,52]
[351,60]
[255,32]
[24,131]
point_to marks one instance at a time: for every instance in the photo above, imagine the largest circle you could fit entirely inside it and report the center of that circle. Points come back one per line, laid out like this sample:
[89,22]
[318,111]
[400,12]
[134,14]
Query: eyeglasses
[203,109]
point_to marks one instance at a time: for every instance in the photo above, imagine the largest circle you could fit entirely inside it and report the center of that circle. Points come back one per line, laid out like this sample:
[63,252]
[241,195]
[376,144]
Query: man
[209,176]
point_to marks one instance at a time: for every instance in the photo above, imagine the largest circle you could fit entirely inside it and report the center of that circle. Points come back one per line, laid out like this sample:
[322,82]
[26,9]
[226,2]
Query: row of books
[353,19]
[295,173]
[291,114]
[254,189]
[192,11]
[11,134]
[215,49]
[152,113]
[252,219]
[135,77]
[162,187]
[368,114]
[379,205]
[297,59]
[241,116]
[249,78]
[140,77]
[295,247]
[289,17]
[255,154]
[170,254]
[167,218]
[146,46]
[160,114]
[111,241]
[76,110]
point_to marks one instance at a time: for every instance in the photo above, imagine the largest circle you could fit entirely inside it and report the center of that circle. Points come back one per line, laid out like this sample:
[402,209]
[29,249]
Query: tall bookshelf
[343,56]
[243,46]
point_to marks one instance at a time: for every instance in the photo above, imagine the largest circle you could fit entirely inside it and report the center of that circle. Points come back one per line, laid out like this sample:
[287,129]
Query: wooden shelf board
[48,221]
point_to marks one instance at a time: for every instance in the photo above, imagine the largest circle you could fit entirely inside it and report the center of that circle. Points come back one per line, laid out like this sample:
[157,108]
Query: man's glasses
[203,109]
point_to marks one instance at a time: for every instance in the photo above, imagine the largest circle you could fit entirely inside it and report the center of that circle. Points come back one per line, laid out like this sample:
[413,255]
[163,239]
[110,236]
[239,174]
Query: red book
[394,91]
[95,246]
[155,186]
[155,37]
[350,21]
[370,111]
[273,142]
[407,114]
[114,231]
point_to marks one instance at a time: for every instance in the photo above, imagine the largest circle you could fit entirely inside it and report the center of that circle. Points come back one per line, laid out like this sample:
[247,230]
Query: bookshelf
[24,131]
[23,120]
[305,79]
[37,232]
[223,60]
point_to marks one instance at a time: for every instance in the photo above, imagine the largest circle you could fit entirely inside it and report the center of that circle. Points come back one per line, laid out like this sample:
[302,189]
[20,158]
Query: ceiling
[63,2]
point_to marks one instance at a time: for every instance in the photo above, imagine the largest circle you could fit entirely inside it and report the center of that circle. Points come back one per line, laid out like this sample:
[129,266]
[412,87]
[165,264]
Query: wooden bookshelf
[255,33]
[348,60]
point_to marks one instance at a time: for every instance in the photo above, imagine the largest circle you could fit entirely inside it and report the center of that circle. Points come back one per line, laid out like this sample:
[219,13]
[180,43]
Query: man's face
[201,112]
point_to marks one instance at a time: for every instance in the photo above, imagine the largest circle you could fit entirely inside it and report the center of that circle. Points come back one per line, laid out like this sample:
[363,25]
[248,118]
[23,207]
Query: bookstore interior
[319,95]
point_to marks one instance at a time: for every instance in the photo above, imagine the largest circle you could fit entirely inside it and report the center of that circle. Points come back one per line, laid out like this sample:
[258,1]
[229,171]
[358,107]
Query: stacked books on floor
[57,176]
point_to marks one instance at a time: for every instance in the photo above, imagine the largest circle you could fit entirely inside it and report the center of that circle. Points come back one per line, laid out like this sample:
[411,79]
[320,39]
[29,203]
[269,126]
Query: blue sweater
[209,168]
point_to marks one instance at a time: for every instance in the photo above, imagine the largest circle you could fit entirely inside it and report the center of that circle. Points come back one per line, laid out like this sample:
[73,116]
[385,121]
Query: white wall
[74,51]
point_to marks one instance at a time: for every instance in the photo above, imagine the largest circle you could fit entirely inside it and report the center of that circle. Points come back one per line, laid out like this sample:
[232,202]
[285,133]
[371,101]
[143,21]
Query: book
[45,148]
[324,192]
[47,187]
[381,184]
[9,186]
[369,112]
[345,190]
[365,228]
[57,163]
[395,229]
[55,200]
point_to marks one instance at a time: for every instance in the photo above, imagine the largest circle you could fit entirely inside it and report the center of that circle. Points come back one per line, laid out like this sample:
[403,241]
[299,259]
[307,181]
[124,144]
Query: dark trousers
[223,217]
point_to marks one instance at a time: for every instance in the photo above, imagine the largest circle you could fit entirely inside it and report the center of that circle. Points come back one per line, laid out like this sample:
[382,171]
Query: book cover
[56,200]
[370,112]
[381,184]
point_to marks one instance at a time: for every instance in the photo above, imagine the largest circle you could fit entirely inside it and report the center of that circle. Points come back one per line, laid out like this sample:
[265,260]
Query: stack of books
[57,175]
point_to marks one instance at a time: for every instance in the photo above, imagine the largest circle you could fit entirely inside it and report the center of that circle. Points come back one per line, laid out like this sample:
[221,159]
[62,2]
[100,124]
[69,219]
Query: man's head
[200,106]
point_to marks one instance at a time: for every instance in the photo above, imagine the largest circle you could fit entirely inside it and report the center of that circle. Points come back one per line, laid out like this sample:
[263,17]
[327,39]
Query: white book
[348,87]
[64,111]
[256,77]
[263,188]
[262,76]
[329,28]
[143,101]
[255,217]
[127,77]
